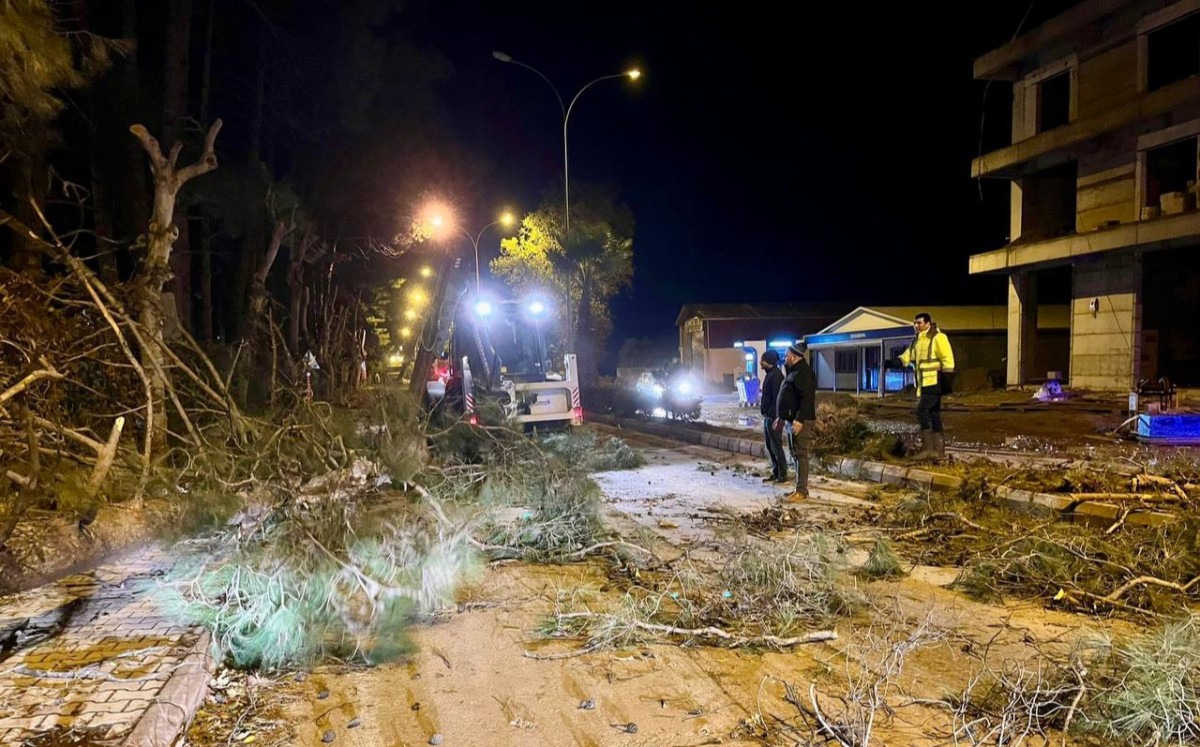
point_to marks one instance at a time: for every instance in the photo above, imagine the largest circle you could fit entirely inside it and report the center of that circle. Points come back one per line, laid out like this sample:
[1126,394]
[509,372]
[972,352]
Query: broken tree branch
[47,372]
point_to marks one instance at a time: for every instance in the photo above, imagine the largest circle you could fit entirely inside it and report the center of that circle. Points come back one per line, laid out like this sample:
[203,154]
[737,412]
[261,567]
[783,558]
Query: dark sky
[817,153]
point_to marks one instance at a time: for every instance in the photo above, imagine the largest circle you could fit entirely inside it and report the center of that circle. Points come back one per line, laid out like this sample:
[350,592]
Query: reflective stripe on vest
[927,369]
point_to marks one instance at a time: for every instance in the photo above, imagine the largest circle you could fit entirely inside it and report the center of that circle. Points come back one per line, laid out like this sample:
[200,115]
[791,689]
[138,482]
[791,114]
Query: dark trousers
[775,449]
[800,445]
[929,409]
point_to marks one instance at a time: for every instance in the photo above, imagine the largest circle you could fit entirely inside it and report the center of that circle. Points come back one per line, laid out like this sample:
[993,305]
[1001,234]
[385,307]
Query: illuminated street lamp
[505,220]
[426,271]
[566,109]
[633,74]
[405,332]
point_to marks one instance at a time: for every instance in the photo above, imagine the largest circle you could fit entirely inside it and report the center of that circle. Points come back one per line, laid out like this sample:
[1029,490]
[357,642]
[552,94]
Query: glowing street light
[536,308]
[633,74]
[483,308]
[409,314]
[506,220]
[426,271]
[417,297]
[405,332]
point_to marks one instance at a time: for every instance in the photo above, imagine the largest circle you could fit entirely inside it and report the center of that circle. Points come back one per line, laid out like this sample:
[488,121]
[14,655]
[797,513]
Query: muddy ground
[471,679]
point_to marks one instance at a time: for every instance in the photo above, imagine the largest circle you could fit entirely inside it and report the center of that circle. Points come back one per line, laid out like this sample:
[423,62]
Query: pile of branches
[1081,566]
[842,429]
[337,568]
[761,597]
[1141,689]
[341,565]
[81,418]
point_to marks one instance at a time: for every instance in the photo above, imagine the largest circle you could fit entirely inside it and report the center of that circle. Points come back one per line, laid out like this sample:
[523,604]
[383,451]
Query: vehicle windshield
[521,342]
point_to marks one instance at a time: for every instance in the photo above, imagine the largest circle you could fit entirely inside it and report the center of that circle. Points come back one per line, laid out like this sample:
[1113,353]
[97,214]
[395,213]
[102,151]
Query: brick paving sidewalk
[83,659]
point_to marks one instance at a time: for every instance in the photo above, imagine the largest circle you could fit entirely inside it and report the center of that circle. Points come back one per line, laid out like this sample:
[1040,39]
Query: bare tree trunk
[297,293]
[168,180]
[258,293]
[31,186]
[102,213]
[102,221]
[586,347]
[205,330]
[175,109]
[130,179]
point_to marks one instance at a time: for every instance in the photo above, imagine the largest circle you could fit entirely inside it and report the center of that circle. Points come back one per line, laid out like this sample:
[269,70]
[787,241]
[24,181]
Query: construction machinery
[502,350]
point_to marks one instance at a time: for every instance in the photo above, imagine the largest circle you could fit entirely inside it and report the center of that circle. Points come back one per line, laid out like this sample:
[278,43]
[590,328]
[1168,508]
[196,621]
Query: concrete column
[1106,322]
[882,368]
[1022,327]
[1015,209]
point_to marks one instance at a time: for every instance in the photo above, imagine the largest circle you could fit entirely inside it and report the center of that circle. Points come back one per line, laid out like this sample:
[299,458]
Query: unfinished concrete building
[1103,167]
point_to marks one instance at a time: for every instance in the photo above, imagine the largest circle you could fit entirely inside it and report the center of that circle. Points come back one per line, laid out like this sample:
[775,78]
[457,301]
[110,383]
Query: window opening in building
[1048,200]
[1054,102]
[1169,169]
[846,362]
[1173,52]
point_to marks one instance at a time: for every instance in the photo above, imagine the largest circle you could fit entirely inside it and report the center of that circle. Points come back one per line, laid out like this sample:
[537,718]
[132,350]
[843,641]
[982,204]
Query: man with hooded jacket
[796,415]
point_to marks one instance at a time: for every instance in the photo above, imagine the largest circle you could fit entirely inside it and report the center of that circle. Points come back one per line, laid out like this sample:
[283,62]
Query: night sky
[819,155]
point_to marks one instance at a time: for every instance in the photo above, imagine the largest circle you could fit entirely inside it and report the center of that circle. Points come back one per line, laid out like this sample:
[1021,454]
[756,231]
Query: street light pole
[506,220]
[566,115]
[566,156]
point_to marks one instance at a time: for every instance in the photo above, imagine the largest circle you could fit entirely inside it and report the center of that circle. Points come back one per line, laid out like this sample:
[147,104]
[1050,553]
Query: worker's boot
[939,447]
[801,492]
[928,450]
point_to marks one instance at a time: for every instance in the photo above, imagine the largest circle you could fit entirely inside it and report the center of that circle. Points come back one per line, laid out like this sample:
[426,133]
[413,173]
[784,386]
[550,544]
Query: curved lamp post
[503,220]
[566,109]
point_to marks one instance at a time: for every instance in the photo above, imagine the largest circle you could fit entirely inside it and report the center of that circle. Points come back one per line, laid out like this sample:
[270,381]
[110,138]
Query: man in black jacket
[772,380]
[796,412]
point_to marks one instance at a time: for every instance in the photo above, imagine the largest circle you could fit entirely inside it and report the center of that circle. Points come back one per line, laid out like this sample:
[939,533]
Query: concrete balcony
[1160,233]
[1011,162]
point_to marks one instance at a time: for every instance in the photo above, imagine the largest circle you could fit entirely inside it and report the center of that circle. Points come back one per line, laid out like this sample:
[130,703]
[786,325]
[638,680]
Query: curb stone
[913,477]
[178,701]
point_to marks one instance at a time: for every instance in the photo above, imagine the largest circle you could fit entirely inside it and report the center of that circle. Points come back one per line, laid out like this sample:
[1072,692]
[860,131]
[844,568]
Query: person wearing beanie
[796,415]
[772,381]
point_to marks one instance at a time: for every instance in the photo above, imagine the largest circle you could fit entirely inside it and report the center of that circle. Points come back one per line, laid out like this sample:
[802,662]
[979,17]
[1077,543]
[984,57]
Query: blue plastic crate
[1169,429]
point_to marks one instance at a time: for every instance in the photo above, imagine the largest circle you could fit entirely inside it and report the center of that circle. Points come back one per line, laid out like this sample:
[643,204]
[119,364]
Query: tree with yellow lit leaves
[585,271]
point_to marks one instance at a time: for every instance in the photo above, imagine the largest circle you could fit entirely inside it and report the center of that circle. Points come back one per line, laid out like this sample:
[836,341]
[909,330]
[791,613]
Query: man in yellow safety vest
[932,360]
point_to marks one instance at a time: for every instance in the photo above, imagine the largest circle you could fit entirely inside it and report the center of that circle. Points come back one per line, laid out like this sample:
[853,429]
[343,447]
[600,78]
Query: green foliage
[310,587]
[840,430]
[882,562]
[799,579]
[587,268]
[38,62]
[584,451]
[1158,698]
